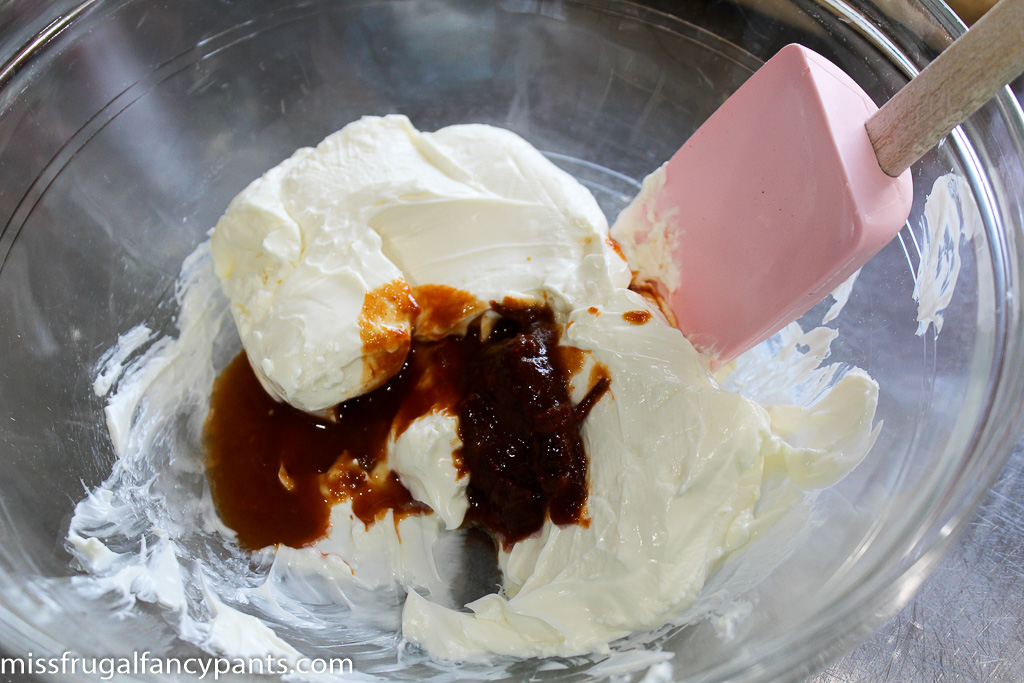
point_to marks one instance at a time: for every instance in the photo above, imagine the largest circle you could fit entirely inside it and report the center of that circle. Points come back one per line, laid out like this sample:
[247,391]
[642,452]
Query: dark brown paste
[521,437]
[275,471]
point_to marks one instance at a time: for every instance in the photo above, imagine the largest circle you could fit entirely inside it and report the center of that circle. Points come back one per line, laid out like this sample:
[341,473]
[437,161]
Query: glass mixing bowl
[126,126]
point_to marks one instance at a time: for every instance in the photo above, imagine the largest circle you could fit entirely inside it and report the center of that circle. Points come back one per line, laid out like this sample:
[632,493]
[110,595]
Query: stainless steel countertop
[967,621]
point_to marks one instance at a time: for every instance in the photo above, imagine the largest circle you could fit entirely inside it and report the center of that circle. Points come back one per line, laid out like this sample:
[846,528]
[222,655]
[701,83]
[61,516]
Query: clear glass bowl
[126,126]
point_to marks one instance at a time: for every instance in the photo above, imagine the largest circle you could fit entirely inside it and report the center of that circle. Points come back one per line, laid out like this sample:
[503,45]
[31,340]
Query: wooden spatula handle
[961,79]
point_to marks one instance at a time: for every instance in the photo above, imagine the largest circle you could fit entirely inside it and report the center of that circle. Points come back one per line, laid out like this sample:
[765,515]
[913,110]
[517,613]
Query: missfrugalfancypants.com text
[145,663]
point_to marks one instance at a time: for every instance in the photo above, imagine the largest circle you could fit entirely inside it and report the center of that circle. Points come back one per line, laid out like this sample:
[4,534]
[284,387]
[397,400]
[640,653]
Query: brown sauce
[275,472]
[572,361]
[615,247]
[638,317]
[650,291]
[384,330]
[443,310]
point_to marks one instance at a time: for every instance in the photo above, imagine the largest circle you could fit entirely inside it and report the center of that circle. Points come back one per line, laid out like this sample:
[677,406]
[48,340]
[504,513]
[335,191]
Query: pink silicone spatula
[798,179]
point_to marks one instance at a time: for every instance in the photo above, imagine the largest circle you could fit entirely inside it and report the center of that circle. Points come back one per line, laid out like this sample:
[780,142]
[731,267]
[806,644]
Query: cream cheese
[677,465]
[666,504]
[683,474]
[300,249]
[422,457]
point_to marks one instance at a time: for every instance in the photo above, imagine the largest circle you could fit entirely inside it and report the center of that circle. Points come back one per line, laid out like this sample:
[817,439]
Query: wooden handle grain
[954,86]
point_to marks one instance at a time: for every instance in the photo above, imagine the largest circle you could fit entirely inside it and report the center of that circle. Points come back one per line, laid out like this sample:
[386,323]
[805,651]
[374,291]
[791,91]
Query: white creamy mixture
[682,473]
[677,465]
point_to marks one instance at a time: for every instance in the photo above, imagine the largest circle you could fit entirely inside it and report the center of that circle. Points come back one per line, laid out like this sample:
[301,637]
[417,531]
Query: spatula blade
[775,201]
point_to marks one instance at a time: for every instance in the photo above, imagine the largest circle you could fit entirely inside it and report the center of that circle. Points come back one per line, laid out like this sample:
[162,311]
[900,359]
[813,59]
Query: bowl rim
[853,615]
